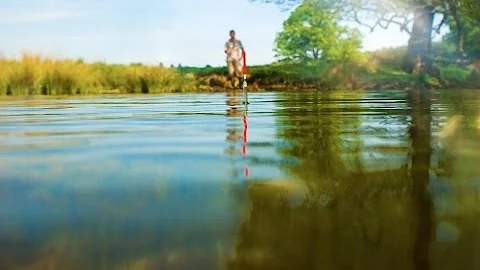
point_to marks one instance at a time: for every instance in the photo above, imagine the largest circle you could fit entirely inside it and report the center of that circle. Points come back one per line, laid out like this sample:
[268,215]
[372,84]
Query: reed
[36,75]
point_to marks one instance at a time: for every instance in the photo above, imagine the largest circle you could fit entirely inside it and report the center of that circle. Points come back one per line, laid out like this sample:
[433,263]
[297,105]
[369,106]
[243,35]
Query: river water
[310,180]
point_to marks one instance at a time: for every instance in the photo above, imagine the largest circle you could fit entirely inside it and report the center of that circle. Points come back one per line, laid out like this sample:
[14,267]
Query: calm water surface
[344,180]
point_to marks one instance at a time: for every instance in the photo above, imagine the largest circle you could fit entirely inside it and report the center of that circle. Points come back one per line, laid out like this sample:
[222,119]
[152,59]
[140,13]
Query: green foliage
[471,36]
[347,49]
[454,74]
[388,75]
[292,74]
[314,33]
[471,8]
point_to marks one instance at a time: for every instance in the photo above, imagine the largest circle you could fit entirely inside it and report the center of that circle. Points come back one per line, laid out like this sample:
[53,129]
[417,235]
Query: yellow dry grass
[33,74]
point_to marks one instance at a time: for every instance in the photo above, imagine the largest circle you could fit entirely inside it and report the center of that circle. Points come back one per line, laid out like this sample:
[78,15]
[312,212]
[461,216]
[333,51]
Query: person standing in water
[234,51]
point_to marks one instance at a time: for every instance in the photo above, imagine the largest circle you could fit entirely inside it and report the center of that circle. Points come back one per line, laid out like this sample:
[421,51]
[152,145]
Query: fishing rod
[245,120]
[244,71]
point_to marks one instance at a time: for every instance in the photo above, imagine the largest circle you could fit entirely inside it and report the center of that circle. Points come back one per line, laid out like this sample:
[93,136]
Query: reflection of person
[234,133]
[233,130]
[234,50]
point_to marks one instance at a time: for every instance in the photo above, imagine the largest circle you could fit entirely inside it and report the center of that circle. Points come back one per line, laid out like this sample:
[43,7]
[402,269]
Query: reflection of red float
[245,122]
[244,147]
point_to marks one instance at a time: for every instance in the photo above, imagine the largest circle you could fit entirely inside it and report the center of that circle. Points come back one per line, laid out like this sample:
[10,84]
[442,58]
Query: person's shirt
[234,49]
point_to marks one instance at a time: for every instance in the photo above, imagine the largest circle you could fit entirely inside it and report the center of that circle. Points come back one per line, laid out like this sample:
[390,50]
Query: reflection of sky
[166,155]
[152,171]
[177,141]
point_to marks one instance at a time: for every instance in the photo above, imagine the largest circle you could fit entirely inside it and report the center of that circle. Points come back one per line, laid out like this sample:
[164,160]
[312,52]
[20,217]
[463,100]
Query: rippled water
[342,180]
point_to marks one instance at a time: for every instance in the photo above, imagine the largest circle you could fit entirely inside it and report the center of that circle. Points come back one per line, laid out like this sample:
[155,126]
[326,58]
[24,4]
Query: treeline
[314,31]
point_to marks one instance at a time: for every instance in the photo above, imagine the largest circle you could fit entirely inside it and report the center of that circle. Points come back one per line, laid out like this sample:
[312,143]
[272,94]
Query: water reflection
[236,133]
[353,215]
[142,200]
[360,180]
[421,148]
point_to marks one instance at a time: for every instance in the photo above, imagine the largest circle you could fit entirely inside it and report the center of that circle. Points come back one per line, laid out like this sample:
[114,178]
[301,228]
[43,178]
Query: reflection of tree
[379,219]
[420,135]
[344,221]
[312,126]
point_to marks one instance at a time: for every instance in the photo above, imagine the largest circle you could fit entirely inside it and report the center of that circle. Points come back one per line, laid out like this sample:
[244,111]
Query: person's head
[232,34]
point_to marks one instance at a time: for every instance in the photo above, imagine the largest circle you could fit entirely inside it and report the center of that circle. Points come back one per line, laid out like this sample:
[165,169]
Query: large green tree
[314,33]
[311,32]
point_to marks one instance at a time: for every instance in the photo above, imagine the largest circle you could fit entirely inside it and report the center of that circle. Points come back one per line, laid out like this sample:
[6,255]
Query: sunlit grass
[36,75]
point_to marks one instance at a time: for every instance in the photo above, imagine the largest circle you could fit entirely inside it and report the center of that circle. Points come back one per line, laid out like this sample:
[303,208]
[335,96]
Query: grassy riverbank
[378,70]
[35,75]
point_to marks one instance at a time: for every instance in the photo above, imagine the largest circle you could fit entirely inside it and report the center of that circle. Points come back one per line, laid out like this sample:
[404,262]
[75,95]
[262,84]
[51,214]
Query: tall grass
[36,75]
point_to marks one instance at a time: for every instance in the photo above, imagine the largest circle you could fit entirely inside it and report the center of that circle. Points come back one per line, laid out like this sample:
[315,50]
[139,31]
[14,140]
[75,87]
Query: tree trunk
[419,52]
[460,43]
[460,39]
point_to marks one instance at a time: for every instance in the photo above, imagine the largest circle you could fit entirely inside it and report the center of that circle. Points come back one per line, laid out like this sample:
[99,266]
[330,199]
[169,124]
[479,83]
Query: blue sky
[189,32]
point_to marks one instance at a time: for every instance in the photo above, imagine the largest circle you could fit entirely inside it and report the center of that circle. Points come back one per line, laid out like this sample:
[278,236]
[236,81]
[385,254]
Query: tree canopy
[465,35]
[314,33]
